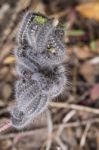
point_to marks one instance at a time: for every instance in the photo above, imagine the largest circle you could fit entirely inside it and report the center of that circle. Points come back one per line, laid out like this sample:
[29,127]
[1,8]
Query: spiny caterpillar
[39,63]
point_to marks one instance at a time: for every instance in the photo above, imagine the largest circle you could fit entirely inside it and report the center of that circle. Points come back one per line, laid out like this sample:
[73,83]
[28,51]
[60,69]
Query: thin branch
[65,120]
[50,130]
[83,139]
[44,130]
[61,144]
[75,107]
[5,125]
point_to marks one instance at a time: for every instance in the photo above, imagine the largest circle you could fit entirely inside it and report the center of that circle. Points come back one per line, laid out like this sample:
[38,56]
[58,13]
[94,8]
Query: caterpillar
[40,55]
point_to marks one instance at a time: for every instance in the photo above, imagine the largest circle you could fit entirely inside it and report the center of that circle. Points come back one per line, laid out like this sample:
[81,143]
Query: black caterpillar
[39,63]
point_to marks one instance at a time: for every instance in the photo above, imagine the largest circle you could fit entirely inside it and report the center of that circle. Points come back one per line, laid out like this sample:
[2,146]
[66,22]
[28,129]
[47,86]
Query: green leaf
[75,33]
[93,45]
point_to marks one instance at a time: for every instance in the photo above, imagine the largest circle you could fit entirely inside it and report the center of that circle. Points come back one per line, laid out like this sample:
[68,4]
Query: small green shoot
[40,20]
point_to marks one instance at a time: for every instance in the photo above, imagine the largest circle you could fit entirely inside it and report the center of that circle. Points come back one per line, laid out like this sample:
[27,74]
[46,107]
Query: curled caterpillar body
[21,118]
[40,55]
[43,34]
[52,81]
[52,53]
[30,24]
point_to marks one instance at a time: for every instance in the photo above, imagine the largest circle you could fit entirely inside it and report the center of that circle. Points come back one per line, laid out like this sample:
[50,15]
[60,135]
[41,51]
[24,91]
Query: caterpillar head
[30,24]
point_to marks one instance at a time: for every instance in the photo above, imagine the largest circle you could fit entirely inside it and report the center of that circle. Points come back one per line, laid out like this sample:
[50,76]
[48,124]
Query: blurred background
[72,122]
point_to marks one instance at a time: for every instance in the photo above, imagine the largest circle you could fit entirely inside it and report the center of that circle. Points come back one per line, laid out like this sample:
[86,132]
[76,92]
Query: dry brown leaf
[87,71]
[83,52]
[3,72]
[6,49]
[6,144]
[9,60]
[2,104]
[6,91]
[89,10]
[94,93]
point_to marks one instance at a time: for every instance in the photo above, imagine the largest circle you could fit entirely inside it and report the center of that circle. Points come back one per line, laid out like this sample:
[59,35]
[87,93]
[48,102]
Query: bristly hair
[40,55]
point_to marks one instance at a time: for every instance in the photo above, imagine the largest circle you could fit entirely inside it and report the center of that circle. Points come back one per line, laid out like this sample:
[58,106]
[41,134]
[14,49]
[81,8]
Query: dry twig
[37,131]
[75,107]
[83,139]
[5,125]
